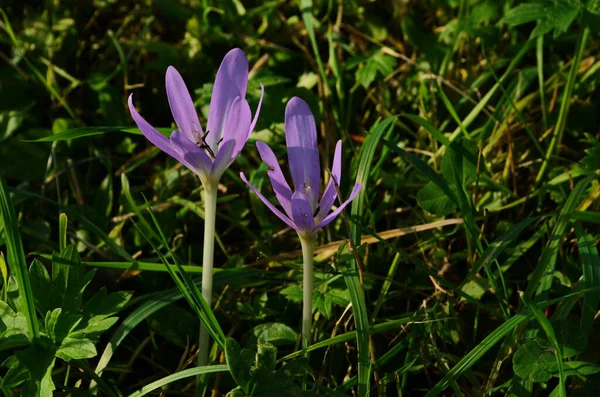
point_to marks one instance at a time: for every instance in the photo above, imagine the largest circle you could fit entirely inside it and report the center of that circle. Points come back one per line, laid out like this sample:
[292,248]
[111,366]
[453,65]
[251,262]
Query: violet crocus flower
[229,120]
[302,209]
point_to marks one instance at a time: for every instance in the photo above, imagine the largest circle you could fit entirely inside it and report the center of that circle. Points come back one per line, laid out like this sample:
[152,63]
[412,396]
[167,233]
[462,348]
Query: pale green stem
[308,250]
[210,212]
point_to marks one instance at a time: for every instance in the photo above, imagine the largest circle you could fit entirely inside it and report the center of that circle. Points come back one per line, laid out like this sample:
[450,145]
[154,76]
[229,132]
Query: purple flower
[304,212]
[229,120]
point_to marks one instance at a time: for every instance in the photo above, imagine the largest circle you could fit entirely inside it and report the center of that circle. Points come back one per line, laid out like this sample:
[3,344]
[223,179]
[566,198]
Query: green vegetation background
[482,195]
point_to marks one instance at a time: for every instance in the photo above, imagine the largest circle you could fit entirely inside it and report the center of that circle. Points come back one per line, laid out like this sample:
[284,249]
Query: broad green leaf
[240,363]
[274,333]
[463,157]
[39,360]
[76,349]
[532,362]
[434,200]
[13,328]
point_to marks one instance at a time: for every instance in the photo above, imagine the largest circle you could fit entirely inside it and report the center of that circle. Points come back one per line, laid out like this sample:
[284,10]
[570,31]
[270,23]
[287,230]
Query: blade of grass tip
[590,263]
[16,260]
[486,98]
[561,122]
[451,109]
[549,331]
[513,105]
[539,56]
[353,275]
[466,208]
[186,373]
[437,134]
[474,355]
[386,286]
[424,169]
[365,158]
[307,18]
[586,216]
[497,247]
[202,306]
[133,207]
[62,231]
[541,278]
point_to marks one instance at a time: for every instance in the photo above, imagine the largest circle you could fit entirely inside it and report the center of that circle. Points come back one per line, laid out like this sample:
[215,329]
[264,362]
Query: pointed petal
[280,186]
[157,139]
[182,105]
[273,209]
[223,160]
[301,140]
[255,119]
[330,192]
[335,213]
[237,127]
[302,213]
[191,155]
[230,83]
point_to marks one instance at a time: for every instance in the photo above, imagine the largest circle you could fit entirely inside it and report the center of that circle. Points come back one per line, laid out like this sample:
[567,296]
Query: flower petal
[280,186]
[230,83]
[335,213]
[302,213]
[237,127]
[182,105]
[301,140]
[191,155]
[273,209]
[255,119]
[223,160]
[330,191]
[157,139]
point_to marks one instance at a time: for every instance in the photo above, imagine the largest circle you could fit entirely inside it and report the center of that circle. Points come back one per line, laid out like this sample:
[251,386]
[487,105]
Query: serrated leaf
[526,12]
[292,293]
[13,328]
[17,373]
[39,360]
[76,349]
[105,305]
[592,158]
[93,327]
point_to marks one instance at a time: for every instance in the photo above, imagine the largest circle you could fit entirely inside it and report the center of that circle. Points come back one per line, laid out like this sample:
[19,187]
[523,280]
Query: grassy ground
[472,127]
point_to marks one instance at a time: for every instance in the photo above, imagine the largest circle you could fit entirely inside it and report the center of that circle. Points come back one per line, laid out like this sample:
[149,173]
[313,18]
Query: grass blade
[186,373]
[541,278]
[590,263]
[16,260]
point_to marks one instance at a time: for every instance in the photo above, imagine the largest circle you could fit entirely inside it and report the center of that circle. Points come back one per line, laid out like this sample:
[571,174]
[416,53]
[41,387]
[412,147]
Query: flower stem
[308,249]
[210,212]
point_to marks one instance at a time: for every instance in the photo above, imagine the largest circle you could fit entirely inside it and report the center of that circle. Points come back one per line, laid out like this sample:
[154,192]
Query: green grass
[477,111]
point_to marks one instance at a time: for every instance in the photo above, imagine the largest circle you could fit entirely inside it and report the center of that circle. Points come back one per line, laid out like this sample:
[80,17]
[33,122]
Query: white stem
[308,249]
[210,212]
